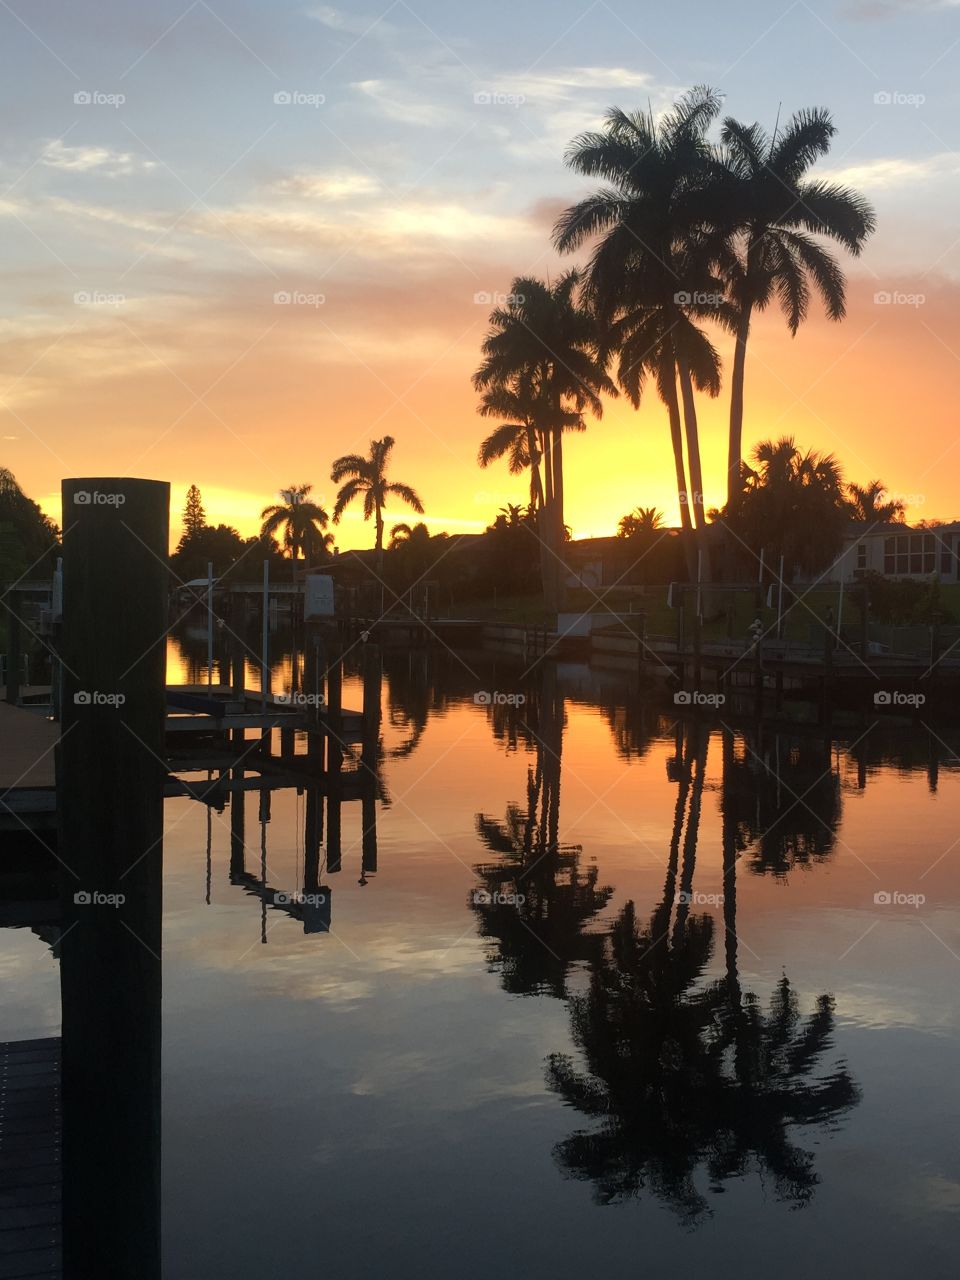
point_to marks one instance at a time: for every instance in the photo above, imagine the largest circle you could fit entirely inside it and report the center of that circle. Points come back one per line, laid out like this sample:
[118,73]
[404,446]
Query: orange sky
[145,242]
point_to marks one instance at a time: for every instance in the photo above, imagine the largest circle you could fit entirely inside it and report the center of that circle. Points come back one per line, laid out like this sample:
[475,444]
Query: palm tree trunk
[735,442]
[559,563]
[545,530]
[379,540]
[693,441]
[676,439]
[536,483]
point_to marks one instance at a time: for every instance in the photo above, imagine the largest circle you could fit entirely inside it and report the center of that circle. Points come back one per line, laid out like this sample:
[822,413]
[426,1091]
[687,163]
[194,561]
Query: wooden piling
[372,694]
[110,796]
[13,649]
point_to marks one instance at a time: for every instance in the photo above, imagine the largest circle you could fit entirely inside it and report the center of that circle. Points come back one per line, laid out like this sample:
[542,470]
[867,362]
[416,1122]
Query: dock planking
[27,772]
[30,1159]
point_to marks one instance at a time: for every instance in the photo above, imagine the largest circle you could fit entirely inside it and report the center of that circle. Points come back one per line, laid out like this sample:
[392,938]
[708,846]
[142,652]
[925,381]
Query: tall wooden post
[110,794]
[334,709]
[372,695]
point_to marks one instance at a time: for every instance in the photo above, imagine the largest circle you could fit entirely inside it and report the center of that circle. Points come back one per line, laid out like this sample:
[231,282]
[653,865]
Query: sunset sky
[147,231]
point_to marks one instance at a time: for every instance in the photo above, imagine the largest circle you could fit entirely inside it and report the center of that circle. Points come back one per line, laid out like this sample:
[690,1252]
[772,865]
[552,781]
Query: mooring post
[368,817]
[334,709]
[372,692]
[111,773]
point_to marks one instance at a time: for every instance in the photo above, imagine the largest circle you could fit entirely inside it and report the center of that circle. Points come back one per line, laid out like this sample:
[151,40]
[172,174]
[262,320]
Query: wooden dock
[30,1159]
[27,782]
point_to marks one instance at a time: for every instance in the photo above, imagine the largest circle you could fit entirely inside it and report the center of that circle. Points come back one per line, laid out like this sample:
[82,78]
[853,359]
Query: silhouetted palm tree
[870,503]
[641,520]
[652,273]
[542,350]
[775,212]
[518,439]
[367,476]
[302,521]
[792,505]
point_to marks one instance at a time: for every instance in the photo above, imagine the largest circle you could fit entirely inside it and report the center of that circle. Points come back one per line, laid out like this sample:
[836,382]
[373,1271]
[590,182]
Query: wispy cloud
[89,159]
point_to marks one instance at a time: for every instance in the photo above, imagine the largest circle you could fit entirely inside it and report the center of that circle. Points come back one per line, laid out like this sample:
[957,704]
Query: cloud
[399,104]
[338,184]
[894,171]
[92,158]
[872,10]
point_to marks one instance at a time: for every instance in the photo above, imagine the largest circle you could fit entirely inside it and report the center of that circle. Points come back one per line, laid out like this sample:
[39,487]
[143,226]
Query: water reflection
[688,1078]
[536,899]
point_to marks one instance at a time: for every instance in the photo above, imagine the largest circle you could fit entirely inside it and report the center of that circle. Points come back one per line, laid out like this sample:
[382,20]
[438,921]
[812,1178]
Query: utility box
[318,599]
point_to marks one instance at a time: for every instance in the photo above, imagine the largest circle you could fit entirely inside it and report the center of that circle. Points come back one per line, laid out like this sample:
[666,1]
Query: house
[898,551]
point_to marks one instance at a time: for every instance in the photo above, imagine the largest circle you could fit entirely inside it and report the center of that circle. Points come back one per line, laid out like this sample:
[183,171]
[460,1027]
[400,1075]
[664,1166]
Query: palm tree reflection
[536,900]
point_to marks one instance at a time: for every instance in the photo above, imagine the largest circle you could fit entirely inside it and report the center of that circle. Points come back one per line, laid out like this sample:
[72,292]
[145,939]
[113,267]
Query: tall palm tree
[542,348]
[869,503]
[652,273]
[358,475]
[773,213]
[302,520]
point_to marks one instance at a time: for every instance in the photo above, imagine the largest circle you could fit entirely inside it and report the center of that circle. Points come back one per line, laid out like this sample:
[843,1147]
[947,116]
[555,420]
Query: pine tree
[194,516]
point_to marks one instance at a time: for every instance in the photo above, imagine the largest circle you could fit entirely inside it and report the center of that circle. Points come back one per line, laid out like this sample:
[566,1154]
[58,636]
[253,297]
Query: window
[861,555]
[889,556]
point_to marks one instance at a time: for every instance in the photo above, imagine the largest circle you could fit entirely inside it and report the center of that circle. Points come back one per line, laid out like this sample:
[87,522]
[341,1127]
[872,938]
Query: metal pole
[209,622]
[265,641]
[780,604]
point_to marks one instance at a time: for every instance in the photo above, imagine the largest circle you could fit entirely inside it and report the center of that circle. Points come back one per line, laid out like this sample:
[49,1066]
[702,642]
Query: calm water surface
[614,992]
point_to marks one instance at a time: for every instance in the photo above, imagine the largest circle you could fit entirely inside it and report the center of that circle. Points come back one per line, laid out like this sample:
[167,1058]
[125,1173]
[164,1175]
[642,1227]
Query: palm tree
[792,505]
[518,439]
[773,212]
[641,520]
[302,521]
[653,272]
[869,503]
[542,349]
[368,476]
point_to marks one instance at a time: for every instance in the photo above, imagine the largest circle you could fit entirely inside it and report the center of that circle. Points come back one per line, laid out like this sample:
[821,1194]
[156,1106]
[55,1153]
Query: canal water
[618,989]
